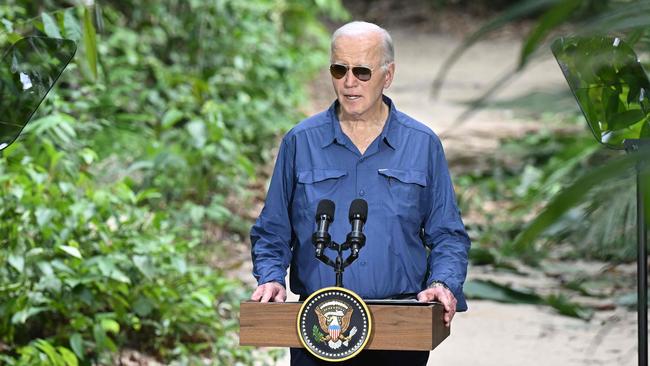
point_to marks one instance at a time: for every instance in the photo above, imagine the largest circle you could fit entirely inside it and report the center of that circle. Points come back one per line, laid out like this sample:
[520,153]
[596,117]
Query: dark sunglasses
[362,73]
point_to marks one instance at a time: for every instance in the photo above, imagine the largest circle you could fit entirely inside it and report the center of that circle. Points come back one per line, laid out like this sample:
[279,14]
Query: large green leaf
[72,251]
[68,357]
[53,356]
[490,290]
[555,16]
[50,26]
[90,41]
[21,316]
[572,195]
[629,300]
[144,265]
[565,307]
[110,325]
[17,261]
[71,26]
[76,343]
[625,119]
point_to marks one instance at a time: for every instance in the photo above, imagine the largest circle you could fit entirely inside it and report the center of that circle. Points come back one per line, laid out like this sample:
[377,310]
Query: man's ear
[388,77]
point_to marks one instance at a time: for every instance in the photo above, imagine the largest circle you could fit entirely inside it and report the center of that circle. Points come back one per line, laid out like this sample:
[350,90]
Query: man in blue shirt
[363,147]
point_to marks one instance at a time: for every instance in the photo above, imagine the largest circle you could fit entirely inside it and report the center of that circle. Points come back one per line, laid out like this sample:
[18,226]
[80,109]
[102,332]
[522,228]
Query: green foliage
[607,79]
[609,97]
[592,16]
[517,11]
[549,188]
[89,39]
[154,128]
[524,172]
[96,269]
[574,194]
[41,352]
[490,290]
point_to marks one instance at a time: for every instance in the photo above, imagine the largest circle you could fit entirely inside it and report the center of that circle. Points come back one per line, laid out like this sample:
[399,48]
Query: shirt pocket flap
[319,175]
[405,176]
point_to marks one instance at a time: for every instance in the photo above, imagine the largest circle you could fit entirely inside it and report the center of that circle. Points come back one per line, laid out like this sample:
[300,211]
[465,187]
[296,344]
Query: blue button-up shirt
[414,233]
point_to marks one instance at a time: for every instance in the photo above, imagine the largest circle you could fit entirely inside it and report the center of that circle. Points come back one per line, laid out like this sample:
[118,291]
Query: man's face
[359,99]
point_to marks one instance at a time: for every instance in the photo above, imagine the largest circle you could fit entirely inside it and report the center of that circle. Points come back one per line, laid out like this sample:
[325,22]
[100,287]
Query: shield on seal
[334,331]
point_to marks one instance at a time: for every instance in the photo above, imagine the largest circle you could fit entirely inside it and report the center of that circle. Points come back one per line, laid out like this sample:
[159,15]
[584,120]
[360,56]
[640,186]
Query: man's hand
[270,291]
[442,294]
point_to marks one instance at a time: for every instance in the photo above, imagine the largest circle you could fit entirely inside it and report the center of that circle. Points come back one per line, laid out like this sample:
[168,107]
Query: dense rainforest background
[119,187]
[121,202]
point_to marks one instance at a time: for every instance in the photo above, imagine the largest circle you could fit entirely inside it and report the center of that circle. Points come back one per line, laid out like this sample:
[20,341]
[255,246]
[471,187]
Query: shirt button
[362,192]
[363,263]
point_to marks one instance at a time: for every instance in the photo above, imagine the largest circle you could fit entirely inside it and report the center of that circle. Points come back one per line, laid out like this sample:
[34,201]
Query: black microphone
[358,215]
[324,217]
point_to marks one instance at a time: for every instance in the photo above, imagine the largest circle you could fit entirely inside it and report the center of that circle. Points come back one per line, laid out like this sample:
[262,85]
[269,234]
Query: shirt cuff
[271,278]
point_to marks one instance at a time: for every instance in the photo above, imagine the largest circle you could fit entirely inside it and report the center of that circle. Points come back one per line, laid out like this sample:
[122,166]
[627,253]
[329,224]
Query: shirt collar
[388,134]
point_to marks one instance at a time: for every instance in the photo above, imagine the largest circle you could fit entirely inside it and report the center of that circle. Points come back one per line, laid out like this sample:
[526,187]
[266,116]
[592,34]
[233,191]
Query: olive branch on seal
[316,333]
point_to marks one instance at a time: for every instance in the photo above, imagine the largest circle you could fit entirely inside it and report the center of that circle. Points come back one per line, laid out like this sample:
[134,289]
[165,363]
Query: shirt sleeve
[271,233]
[444,232]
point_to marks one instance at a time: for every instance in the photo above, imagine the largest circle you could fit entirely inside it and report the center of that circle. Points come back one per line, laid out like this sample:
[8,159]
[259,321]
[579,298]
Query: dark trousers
[302,357]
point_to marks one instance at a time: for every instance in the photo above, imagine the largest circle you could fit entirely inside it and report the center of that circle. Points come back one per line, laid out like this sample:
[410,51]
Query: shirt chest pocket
[317,184]
[403,184]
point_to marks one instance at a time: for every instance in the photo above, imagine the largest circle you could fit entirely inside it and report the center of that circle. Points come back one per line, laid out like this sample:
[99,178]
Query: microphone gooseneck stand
[355,240]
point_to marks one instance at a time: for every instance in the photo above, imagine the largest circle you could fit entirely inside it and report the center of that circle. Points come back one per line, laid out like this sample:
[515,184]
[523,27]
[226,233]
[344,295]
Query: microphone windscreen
[359,209]
[325,207]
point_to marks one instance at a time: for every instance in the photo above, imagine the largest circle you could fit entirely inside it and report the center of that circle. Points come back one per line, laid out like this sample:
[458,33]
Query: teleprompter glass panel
[28,70]
[610,85]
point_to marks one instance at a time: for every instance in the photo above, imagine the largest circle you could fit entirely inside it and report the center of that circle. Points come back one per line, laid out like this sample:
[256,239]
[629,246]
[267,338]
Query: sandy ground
[493,333]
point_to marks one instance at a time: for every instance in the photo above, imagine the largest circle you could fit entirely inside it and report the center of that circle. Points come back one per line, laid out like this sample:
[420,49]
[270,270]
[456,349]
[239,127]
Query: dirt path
[492,333]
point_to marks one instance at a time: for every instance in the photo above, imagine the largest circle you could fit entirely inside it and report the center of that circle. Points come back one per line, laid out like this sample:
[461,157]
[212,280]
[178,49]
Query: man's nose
[350,80]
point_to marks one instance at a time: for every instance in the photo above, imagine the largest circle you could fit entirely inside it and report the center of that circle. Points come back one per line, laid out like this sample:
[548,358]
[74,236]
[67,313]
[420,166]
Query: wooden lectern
[397,325]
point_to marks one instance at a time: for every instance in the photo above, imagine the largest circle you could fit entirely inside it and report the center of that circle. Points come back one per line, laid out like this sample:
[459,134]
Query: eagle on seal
[335,325]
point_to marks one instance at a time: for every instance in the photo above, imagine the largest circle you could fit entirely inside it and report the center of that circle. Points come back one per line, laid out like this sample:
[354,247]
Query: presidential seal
[334,324]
